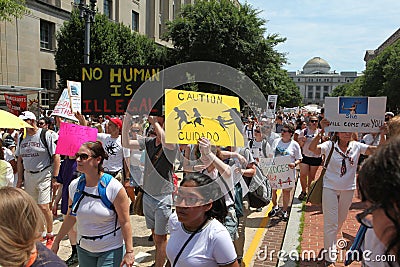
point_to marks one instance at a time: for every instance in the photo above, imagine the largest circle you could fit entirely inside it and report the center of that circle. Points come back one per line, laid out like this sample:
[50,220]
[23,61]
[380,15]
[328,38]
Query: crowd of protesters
[206,227]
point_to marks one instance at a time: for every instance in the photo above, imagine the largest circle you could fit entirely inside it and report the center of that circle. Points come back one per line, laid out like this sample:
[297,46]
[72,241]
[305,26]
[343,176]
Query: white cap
[27,115]
[389,114]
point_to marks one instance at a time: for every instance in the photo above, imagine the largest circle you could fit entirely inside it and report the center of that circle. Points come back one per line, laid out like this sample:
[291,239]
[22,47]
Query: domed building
[316,80]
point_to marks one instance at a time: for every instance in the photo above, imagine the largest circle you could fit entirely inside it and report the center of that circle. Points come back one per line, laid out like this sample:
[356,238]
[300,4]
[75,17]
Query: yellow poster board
[191,115]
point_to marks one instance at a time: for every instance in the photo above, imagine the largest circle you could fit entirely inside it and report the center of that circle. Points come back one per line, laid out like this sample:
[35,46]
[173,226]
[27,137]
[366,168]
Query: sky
[339,31]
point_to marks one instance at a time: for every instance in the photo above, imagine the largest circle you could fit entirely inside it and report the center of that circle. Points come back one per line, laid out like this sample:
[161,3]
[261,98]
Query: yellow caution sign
[191,115]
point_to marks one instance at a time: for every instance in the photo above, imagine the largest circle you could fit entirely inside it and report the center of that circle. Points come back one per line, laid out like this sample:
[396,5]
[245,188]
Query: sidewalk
[283,236]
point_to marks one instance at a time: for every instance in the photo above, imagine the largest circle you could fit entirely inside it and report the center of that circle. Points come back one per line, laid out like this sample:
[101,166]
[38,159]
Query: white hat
[27,115]
[389,114]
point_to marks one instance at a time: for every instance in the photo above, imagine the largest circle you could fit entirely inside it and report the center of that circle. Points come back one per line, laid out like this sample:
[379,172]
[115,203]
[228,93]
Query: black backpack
[43,140]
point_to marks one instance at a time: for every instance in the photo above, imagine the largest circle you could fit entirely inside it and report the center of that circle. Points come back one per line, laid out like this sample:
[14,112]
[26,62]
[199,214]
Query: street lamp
[87,12]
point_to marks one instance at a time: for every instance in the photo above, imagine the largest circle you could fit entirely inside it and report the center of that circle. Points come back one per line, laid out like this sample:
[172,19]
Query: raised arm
[314,147]
[158,127]
[209,157]
[131,143]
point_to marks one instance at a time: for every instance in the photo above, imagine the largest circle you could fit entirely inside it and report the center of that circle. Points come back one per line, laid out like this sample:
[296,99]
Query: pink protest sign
[72,136]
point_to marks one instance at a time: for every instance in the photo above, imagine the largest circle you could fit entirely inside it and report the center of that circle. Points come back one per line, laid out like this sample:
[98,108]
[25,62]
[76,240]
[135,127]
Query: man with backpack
[38,167]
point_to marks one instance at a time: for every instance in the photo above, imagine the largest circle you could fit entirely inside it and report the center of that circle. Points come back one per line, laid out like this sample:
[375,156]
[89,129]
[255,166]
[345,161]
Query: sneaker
[259,209]
[302,196]
[72,259]
[273,212]
[150,238]
[49,240]
[285,216]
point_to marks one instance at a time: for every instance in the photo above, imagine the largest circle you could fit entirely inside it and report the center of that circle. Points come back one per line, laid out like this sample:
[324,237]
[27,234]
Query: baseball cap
[27,115]
[116,121]
[9,141]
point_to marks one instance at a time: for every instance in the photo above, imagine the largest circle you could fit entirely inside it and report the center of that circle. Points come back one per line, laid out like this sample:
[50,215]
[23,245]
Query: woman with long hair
[197,235]
[102,230]
[21,227]
[339,183]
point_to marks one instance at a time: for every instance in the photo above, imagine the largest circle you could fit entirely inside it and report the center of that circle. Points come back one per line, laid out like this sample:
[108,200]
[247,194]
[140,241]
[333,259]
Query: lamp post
[87,12]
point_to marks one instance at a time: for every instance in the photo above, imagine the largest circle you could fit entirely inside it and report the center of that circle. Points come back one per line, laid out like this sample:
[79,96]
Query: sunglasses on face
[82,156]
[41,123]
[365,217]
[313,121]
[189,201]
[285,131]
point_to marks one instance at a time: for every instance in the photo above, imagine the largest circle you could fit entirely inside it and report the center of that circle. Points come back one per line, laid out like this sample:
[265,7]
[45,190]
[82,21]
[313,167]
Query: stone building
[27,45]
[316,80]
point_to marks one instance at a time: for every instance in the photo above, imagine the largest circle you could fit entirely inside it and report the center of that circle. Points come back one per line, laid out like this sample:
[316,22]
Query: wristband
[55,177]
[130,251]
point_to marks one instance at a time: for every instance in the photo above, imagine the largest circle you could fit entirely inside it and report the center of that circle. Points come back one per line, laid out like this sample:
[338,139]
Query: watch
[54,177]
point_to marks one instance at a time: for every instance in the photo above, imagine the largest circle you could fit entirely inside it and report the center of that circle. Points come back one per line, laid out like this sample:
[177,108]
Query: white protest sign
[278,172]
[63,107]
[355,114]
[271,105]
[75,93]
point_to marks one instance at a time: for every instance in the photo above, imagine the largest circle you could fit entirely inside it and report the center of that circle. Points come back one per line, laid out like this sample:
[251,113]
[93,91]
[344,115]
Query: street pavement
[267,239]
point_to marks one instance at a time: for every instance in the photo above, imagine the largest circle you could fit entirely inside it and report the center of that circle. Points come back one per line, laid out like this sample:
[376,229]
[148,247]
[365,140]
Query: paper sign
[355,114]
[74,94]
[72,136]
[191,115]
[63,107]
[16,103]
[278,172]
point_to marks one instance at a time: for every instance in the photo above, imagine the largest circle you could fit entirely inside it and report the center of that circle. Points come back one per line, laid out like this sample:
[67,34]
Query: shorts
[231,223]
[157,212]
[312,161]
[38,185]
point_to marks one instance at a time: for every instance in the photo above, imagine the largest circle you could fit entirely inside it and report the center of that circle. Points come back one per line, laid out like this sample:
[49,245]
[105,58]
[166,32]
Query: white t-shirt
[8,155]
[6,174]
[291,148]
[256,149]
[210,247]
[332,179]
[309,134]
[34,154]
[115,152]
[369,139]
[94,218]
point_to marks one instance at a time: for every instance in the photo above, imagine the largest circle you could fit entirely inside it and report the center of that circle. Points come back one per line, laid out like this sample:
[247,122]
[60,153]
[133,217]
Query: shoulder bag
[315,194]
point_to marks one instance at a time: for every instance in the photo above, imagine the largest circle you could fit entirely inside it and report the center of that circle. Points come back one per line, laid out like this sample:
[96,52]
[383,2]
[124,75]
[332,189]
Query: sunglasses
[285,131]
[189,201]
[314,121]
[41,123]
[82,156]
[365,217]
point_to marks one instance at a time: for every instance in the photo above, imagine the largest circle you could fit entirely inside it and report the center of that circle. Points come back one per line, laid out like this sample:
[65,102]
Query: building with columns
[316,80]
[27,45]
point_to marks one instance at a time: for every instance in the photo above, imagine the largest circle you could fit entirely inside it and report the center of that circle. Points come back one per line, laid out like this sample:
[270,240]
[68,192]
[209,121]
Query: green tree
[382,76]
[10,9]
[221,32]
[111,43]
[350,89]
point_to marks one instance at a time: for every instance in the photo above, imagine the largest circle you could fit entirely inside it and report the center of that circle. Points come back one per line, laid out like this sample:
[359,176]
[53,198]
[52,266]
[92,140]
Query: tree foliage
[221,32]
[111,43]
[10,9]
[349,89]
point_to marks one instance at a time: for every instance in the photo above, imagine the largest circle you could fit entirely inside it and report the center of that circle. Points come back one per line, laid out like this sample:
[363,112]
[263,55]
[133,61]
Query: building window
[326,91]
[317,92]
[310,91]
[298,79]
[135,21]
[46,35]
[107,8]
[48,81]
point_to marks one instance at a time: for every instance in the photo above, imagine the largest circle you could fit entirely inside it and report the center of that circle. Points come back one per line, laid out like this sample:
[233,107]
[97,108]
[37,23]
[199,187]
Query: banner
[16,103]
[108,89]
[74,94]
[278,172]
[63,107]
[191,115]
[72,136]
[355,114]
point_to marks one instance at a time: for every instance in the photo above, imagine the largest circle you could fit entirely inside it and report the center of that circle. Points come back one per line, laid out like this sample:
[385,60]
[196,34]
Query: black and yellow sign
[191,115]
[108,89]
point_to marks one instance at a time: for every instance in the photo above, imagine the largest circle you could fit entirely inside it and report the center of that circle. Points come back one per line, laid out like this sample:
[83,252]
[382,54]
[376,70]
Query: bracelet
[193,168]
[54,177]
[130,251]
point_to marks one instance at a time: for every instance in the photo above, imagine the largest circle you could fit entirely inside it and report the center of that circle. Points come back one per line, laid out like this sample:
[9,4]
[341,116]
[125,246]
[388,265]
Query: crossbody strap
[187,242]
[329,156]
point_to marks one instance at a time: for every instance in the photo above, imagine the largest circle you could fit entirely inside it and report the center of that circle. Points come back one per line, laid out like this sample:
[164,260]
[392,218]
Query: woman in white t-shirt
[339,183]
[102,231]
[285,146]
[197,236]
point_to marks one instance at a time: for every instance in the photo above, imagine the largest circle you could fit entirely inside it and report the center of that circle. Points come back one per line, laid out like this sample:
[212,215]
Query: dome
[316,65]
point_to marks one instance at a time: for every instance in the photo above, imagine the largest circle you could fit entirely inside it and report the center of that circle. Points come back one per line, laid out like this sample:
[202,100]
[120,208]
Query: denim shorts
[157,212]
[231,223]
[111,258]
